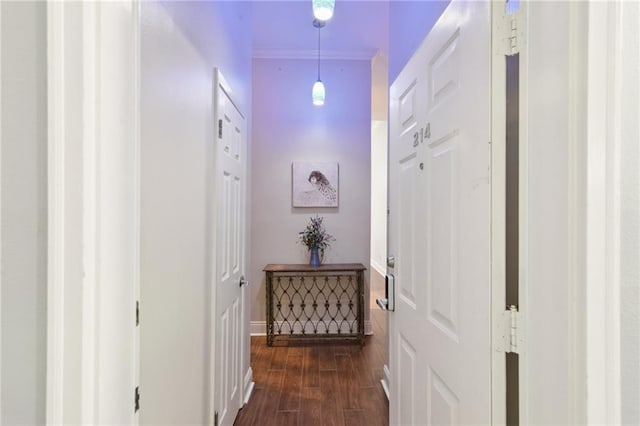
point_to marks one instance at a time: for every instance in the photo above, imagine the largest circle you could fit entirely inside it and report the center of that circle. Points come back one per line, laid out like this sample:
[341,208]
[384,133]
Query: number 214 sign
[422,134]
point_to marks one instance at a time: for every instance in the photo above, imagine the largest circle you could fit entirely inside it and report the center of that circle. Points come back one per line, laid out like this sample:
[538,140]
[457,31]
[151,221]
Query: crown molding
[358,55]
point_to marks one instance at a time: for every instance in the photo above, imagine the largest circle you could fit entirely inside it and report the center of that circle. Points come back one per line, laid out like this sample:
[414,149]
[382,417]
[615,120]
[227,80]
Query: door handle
[388,303]
[382,303]
[243,281]
[391,261]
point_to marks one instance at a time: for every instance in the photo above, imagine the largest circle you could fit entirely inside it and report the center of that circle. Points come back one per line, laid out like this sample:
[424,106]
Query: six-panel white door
[440,332]
[229,206]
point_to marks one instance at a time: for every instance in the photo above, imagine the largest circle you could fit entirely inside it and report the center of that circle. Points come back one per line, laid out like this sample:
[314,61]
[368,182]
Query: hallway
[323,384]
[119,227]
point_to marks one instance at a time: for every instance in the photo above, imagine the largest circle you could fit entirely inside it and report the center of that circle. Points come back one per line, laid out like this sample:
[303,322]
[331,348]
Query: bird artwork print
[315,184]
[322,184]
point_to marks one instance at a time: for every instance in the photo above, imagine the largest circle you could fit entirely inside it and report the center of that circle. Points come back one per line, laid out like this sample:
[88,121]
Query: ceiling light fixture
[318,92]
[323,9]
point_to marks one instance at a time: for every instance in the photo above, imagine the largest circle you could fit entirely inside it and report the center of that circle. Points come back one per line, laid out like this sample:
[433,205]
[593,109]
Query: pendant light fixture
[323,9]
[318,92]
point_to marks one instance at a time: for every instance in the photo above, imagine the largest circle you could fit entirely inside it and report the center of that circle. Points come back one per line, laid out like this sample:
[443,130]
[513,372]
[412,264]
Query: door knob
[391,261]
[243,281]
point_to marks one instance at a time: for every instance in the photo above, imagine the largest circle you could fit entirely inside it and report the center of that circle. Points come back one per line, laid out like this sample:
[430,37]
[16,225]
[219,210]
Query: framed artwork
[314,184]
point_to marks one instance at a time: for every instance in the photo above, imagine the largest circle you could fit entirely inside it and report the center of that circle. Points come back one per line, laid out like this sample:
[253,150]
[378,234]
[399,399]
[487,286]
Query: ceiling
[358,29]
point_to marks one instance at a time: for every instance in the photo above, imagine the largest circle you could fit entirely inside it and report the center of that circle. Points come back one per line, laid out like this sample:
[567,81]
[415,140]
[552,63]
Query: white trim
[212,217]
[596,198]
[56,210]
[576,214]
[524,228]
[249,385]
[258,328]
[0,211]
[137,182]
[603,203]
[629,209]
[378,267]
[90,235]
[386,379]
[80,183]
[614,106]
[354,55]
[220,85]
[498,203]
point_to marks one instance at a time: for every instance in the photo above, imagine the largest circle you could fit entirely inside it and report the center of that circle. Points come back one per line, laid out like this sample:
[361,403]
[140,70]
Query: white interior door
[229,207]
[440,332]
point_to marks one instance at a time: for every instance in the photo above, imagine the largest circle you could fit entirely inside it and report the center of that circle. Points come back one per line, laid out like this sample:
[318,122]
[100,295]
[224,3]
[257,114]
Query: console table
[315,302]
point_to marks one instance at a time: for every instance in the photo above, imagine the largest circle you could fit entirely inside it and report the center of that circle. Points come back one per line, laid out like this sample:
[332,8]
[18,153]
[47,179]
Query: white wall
[181,44]
[546,238]
[379,113]
[287,128]
[409,23]
[379,195]
[629,108]
[581,191]
[24,212]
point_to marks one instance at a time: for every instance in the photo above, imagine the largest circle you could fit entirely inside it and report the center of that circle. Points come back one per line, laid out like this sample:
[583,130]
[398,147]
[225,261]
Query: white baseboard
[380,268]
[259,328]
[368,329]
[385,380]
[249,384]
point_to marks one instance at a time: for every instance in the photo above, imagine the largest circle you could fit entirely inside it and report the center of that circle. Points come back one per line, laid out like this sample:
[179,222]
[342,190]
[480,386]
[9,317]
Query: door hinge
[511,335]
[219,129]
[215,419]
[136,399]
[510,30]
[137,313]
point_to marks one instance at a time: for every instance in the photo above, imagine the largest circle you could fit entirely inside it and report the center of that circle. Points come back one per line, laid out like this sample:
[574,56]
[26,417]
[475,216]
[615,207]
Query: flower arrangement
[315,236]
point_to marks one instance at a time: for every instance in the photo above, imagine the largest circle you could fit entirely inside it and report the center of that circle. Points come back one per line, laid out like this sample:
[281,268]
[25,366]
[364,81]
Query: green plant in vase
[316,239]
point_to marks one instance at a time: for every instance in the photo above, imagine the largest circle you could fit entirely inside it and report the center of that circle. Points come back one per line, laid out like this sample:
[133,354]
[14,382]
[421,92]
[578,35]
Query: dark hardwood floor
[323,384]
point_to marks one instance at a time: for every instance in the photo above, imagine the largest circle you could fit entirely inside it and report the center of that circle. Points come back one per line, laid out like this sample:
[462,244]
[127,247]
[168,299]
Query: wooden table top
[327,267]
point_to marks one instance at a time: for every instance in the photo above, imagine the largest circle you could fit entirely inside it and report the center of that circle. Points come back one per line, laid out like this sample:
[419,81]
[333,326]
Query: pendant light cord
[318,53]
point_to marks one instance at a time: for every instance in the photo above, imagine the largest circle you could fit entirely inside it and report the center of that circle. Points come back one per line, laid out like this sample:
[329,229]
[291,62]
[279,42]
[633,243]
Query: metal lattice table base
[315,303]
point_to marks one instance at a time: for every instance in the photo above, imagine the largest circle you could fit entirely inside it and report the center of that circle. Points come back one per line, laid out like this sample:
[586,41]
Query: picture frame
[315,184]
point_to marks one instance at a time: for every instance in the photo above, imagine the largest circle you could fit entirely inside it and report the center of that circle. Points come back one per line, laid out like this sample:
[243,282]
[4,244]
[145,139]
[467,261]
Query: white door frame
[599,41]
[498,216]
[0,212]
[246,380]
[611,114]
[93,54]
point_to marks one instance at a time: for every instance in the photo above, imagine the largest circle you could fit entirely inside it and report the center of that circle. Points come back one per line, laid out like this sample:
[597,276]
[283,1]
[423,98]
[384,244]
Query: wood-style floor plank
[279,357]
[292,385]
[311,412]
[331,402]
[325,384]
[347,386]
[311,366]
[271,393]
[374,404]
[355,417]
[261,360]
[287,418]
[326,358]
